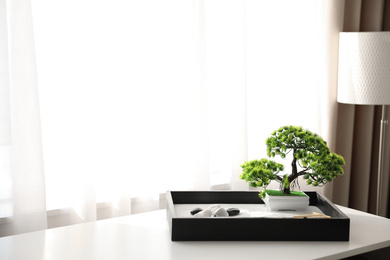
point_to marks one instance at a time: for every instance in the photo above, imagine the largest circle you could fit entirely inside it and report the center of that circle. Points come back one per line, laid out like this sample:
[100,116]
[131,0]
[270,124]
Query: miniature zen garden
[311,159]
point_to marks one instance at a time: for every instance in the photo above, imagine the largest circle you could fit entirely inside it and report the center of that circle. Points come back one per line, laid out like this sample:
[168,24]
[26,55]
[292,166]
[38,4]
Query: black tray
[335,228]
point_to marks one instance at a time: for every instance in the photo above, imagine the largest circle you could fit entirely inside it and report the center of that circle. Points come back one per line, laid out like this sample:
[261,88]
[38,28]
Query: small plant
[311,159]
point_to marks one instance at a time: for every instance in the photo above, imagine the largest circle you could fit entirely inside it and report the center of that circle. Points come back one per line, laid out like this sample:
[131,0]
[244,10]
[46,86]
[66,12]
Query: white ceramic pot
[275,203]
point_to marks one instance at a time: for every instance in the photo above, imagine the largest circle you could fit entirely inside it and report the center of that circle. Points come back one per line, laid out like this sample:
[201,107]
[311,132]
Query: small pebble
[196,210]
[233,211]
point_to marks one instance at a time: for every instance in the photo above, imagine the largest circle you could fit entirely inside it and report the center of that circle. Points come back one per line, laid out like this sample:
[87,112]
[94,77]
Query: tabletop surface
[146,236]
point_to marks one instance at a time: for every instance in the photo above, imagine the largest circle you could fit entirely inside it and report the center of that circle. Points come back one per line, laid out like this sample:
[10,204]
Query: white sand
[246,211]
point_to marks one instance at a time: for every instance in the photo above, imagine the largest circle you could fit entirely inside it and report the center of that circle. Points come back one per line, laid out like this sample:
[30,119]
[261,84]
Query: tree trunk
[293,175]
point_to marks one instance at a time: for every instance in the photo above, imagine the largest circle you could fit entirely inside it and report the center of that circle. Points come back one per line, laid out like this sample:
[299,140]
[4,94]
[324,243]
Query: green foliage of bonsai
[310,152]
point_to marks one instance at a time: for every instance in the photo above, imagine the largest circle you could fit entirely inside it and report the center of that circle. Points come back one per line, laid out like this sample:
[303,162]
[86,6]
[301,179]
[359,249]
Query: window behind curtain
[282,68]
[127,91]
[119,97]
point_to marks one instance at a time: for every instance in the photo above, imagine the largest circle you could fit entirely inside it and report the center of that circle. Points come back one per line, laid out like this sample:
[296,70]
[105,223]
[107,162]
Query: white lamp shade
[364,68]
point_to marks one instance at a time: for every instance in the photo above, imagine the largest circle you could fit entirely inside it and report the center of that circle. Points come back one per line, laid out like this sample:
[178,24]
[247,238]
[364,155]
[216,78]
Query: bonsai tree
[311,159]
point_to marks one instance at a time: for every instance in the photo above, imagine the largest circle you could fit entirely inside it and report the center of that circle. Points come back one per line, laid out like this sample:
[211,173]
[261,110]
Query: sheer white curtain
[138,97]
[122,103]
[5,117]
[23,193]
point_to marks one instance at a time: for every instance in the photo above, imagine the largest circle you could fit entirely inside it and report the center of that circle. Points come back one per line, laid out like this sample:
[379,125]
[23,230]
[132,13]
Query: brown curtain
[357,134]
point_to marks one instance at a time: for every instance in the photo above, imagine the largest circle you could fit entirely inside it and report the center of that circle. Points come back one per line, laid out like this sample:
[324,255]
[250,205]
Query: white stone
[214,207]
[221,212]
[203,214]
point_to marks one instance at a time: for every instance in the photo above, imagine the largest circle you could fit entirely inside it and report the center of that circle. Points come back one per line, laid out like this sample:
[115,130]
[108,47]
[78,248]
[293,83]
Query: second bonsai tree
[311,158]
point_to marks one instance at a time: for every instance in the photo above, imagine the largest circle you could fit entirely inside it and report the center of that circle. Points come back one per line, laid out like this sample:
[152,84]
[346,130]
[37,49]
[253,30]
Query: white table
[146,236]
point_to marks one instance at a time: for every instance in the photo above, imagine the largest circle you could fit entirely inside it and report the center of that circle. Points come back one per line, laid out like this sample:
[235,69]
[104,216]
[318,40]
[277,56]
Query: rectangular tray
[335,228]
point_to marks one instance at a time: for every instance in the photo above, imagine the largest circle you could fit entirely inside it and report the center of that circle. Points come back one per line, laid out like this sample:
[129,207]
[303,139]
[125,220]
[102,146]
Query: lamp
[364,78]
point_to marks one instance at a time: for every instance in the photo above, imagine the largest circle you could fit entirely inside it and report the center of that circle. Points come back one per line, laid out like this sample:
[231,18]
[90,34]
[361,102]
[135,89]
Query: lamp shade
[364,68]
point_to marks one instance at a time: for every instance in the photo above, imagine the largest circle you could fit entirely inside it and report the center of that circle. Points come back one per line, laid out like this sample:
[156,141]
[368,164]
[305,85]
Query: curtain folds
[24,154]
[5,118]
[358,126]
